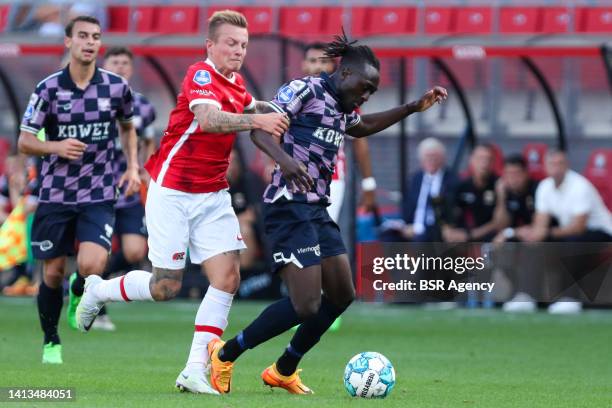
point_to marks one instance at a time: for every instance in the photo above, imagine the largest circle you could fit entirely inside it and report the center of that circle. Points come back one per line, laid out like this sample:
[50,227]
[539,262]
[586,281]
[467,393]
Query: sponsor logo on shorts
[43,245]
[109,230]
[316,249]
[279,257]
[239,237]
[178,256]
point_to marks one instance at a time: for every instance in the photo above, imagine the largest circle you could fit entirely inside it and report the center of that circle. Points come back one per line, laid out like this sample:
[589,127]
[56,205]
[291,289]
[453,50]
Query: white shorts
[203,223]
[336,198]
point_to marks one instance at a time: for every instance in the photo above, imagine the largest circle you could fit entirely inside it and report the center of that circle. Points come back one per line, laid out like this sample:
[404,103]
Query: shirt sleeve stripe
[276,107]
[353,123]
[128,120]
[251,105]
[29,129]
[201,101]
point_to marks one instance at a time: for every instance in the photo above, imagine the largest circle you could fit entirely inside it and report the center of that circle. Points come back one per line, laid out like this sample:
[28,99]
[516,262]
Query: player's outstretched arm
[294,172]
[213,120]
[70,149]
[376,122]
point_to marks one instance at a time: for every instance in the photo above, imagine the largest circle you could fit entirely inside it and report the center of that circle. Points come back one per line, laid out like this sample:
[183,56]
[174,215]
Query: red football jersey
[189,159]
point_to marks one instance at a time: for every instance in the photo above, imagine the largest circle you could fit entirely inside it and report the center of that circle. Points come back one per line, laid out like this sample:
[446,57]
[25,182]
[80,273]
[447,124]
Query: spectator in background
[19,182]
[475,201]
[515,198]
[425,209]
[573,201]
[580,214]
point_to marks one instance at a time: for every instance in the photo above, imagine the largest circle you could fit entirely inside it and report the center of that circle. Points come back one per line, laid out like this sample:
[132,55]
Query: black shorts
[57,227]
[130,220]
[301,234]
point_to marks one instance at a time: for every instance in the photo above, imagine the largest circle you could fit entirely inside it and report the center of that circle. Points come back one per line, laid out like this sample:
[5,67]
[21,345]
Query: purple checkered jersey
[144,116]
[316,133]
[89,115]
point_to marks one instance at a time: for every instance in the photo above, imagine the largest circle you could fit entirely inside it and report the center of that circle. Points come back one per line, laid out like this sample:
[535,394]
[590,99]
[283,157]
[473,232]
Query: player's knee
[165,290]
[229,281]
[134,254]
[307,308]
[92,265]
[53,277]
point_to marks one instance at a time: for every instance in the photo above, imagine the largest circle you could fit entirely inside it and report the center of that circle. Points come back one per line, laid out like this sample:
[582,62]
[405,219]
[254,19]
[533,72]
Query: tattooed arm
[213,120]
[260,107]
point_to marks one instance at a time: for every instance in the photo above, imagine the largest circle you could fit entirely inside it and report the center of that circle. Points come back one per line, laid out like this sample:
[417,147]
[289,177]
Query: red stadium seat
[473,20]
[438,20]
[498,159]
[534,154]
[4,11]
[519,20]
[118,19]
[383,20]
[333,21]
[599,172]
[594,20]
[144,19]
[177,20]
[555,20]
[260,19]
[301,21]
[217,7]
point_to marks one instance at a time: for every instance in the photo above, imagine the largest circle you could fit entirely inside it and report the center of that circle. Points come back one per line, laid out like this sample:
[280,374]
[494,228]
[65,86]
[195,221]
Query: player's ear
[67,42]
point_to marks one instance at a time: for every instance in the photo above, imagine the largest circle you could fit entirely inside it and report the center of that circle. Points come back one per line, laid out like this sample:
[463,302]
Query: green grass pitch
[460,358]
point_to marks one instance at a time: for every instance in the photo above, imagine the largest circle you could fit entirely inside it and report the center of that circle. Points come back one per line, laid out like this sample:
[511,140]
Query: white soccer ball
[369,375]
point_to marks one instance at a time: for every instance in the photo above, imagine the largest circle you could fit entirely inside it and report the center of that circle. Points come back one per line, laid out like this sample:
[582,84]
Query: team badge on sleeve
[286,94]
[30,109]
[202,77]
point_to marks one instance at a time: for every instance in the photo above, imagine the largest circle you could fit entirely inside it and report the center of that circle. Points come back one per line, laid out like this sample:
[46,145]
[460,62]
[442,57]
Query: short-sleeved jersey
[474,205]
[521,206]
[89,115]
[317,131]
[144,116]
[189,159]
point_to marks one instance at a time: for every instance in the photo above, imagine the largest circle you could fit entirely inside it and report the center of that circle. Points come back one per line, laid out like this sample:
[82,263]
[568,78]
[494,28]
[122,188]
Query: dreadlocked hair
[350,52]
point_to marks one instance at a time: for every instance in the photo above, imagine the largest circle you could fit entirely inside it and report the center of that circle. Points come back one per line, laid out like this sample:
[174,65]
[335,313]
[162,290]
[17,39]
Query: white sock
[131,286]
[210,322]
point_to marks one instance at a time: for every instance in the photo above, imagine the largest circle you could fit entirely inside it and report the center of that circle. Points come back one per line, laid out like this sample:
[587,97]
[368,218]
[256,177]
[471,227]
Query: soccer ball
[369,375]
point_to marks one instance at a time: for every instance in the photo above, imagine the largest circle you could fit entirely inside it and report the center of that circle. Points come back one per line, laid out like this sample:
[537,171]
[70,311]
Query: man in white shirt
[578,209]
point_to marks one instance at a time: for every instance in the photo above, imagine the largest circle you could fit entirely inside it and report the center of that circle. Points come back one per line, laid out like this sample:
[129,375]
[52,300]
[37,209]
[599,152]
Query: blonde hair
[225,17]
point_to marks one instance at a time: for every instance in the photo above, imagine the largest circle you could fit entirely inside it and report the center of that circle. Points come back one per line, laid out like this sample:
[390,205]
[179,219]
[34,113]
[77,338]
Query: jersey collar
[232,79]
[66,82]
[329,86]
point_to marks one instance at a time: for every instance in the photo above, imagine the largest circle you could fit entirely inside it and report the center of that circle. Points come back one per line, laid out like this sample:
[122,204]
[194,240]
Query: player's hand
[70,149]
[275,124]
[145,178]
[435,95]
[296,175]
[132,179]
